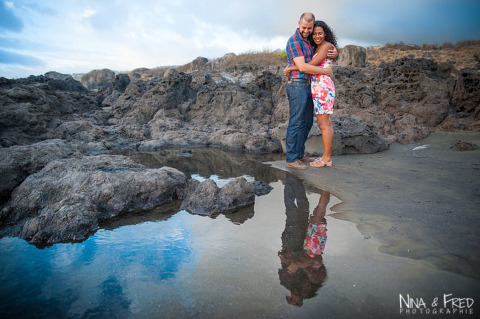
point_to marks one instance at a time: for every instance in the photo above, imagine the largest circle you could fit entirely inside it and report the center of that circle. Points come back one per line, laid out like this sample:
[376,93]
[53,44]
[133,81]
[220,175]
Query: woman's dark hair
[329,35]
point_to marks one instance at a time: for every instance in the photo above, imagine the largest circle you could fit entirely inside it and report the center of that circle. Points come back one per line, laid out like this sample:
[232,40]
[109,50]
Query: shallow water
[249,264]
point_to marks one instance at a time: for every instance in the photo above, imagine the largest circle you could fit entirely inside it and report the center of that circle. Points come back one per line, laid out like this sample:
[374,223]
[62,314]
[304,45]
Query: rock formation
[241,107]
[32,109]
[352,55]
[56,186]
[98,79]
[20,161]
[66,200]
[208,199]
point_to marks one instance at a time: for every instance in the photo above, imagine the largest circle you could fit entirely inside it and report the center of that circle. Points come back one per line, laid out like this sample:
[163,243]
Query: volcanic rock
[18,162]
[97,79]
[352,55]
[67,199]
[208,199]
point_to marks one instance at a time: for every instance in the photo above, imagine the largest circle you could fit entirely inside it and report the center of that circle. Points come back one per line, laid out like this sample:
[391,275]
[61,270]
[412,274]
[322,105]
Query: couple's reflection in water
[303,242]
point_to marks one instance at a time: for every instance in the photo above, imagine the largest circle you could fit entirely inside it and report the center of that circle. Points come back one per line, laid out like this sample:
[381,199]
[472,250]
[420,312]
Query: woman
[316,237]
[323,89]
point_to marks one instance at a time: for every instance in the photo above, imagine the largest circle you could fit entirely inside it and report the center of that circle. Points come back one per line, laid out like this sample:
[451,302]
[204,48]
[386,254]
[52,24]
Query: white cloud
[78,36]
[88,12]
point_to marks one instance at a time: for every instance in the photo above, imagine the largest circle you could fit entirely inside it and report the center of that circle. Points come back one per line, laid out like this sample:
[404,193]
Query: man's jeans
[300,120]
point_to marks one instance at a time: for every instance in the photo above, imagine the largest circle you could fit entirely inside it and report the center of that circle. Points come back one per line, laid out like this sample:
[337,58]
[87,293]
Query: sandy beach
[420,201]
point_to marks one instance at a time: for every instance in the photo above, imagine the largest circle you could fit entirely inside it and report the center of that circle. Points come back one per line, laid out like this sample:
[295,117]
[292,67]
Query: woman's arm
[320,55]
[310,69]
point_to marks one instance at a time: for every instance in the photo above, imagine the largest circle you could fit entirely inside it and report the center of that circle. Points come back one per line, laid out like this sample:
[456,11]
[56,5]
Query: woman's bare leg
[324,122]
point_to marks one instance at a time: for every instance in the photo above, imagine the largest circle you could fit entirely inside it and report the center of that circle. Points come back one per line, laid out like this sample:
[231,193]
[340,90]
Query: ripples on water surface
[168,263]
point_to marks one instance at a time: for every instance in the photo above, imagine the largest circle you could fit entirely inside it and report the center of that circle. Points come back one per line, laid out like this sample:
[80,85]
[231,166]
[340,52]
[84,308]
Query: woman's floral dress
[315,239]
[323,91]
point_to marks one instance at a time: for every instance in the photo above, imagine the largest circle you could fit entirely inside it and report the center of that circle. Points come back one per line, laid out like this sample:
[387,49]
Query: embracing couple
[310,51]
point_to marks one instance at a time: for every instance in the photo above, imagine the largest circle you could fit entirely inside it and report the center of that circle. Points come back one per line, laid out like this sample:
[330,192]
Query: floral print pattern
[323,91]
[315,239]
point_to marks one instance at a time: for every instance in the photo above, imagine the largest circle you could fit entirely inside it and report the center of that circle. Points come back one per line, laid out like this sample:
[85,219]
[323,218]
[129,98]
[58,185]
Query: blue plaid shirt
[297,46]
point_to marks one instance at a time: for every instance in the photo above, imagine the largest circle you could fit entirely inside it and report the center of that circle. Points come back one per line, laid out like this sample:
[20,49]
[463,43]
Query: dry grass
[461,54]
[261,58]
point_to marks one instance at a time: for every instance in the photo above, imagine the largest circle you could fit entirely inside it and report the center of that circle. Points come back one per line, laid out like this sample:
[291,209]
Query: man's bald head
[305,24]
[307,17]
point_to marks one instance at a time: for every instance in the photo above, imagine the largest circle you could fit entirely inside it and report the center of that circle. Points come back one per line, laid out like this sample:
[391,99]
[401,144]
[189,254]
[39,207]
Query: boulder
[208,199]
[67,199]
[218,63]
[58,81]
[58,76]
[261,188]
[196,65]
[28,113]
[351,136]
[356,137]
[353,56]
[18,162]
[98,79]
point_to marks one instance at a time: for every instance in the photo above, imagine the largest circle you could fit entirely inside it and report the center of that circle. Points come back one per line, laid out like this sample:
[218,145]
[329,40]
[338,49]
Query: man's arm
[327,50]
[310,69]
[324,52]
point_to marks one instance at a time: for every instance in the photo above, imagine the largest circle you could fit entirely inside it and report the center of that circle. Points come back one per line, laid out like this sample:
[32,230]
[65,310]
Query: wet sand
[419,201]
[401,224]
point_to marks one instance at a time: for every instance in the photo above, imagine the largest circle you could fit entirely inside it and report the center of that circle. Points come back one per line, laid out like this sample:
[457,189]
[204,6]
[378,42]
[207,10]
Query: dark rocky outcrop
[98,79]
[402,101]
[357,137]
[58,76]
[67,199]
[352,55]
[18,162]
[242,107]
[108,86]
[261,188]
[466,99]
[56,81]
[32,109]
[208,199]
[51,126]
[109,95]
[196,65]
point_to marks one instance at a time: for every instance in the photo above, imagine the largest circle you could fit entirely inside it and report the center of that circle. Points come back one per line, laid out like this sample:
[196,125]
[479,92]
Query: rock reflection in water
[303,242]
[207,161]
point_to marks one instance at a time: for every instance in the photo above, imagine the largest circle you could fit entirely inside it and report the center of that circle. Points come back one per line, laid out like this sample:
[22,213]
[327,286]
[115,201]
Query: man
[299,53]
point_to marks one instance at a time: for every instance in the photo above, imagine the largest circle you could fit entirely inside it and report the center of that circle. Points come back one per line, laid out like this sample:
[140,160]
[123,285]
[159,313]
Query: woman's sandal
[316,163]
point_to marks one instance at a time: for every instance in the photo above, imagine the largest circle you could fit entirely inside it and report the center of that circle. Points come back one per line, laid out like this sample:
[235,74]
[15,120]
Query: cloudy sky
[77,36]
